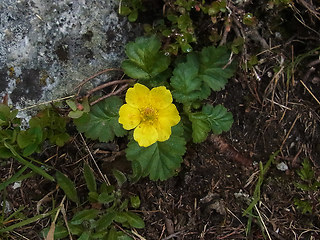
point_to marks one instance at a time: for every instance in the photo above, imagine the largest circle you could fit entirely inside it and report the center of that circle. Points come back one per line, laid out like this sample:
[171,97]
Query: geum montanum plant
[160,128]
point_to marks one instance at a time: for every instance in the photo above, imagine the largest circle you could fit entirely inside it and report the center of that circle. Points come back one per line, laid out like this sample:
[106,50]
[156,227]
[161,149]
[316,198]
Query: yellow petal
[160,97]
[169,116]
[129,116]
[145,134]
[164,131]
[138,96]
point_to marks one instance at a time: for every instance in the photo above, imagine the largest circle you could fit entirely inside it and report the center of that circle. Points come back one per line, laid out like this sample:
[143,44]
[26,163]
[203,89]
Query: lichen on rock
[48,47]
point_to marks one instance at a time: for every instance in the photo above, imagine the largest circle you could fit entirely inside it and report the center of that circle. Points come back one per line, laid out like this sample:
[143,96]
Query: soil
[207,197]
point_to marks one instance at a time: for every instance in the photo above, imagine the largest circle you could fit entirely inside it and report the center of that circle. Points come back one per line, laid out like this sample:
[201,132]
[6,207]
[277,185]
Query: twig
[172,235]
[108,84]
[47,102]
[264,225]
[310,92]
[95,163]
[273,102]
[53,224]
[286,137]
[110,94]
[93,76]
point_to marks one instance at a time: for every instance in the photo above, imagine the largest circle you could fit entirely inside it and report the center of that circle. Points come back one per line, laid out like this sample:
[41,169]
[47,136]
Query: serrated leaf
[145,59]
[213,67]
[134,220]
[200,127]
[306,173]
[102,121]
[67,186]
[84,215]
[161,159]
[218,117]
[186,82]
[90,179]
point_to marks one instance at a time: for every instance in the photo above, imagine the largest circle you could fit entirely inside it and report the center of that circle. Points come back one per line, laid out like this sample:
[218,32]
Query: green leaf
[124,10]
[90,179]
[60,232]
[27,163]
[59,138]
[186,82]
[5,153]
[102,121]
[135,201]
[85,236]
[84,215]
[112,235]
[136,172]
[134,220]
[200,127]
[303,205]
[72,104]
[145,59]
[161,159]
[133,16]
[76,229]
[124,205]
[6,115]
[30,140]
[105,198]
[105,221]
[75,114]
[67,186]
[306,173]
[213,67]
[218,117]
[121,178]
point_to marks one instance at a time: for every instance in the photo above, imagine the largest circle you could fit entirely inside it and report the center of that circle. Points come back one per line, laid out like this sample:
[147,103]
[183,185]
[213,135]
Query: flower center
[149,114]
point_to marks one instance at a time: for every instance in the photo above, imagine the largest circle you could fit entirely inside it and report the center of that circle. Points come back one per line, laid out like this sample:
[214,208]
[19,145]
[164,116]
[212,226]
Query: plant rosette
[159,129]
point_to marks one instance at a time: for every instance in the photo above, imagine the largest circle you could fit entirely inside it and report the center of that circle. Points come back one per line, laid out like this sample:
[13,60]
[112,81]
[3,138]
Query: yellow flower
[150,112]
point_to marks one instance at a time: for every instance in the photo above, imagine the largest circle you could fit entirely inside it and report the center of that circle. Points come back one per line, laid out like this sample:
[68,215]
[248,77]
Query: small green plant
[131,8]
[192,80]
[309,185]
[20,144]
[180,30]
[108,209]
[252,211]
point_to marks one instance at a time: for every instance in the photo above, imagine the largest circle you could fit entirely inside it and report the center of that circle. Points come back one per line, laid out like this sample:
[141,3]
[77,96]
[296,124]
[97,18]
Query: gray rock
[48,46]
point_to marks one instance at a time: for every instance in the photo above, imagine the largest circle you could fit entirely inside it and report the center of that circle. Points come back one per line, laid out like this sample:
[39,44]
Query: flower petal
[129,116]
[138,96]
[160,97]
[145,134]
[169,116]
[164,131]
